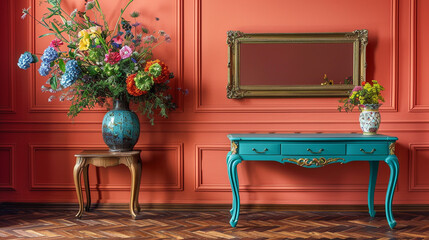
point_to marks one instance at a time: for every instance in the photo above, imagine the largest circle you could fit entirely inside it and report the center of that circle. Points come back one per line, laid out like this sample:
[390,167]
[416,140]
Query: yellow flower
[83,33]
[84,44]
[367,86]
[94,29]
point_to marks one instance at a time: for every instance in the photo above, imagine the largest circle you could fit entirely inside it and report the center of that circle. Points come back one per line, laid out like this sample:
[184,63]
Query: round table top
[106,153]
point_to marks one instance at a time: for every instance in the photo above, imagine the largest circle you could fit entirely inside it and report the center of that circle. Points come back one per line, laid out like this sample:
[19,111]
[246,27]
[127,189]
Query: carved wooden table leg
[80,162]
[135,167]
[138,181]
[87,190]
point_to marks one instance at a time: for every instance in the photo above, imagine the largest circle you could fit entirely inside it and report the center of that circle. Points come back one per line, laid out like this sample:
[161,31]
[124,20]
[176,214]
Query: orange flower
[165,74]
[132,88]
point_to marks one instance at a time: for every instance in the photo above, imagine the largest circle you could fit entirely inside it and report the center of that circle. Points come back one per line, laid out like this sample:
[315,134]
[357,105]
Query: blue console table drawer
[259,149]
[292,149]
[367,149]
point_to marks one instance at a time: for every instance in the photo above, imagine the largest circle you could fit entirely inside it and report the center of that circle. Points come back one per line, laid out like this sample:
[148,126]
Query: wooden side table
[106,158]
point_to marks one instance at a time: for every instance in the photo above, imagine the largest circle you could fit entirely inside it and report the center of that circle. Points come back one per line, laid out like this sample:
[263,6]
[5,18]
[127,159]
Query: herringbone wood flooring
[206,224]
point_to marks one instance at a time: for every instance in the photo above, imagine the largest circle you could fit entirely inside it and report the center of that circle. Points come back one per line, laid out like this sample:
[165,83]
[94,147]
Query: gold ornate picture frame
[237,41]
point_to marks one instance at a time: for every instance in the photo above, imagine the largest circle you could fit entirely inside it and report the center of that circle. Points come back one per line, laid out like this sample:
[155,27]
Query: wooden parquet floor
[206,224]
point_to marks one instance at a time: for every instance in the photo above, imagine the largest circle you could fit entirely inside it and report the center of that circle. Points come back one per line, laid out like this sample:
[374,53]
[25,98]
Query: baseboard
[212,207]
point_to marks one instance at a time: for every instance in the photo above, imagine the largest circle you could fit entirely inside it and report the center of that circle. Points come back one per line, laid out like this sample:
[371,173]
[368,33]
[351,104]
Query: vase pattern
[120,128]
[370,119]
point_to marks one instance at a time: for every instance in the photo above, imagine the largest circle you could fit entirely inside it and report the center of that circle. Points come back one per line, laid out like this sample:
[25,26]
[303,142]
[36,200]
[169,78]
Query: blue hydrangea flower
[68,79]
[24,60]
[44,69]
[49,55]
[71,74]
[72,66]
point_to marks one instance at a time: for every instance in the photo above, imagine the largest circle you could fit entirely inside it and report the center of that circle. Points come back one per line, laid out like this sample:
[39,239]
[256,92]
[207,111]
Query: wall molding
[201,187]
[34,186]
[412,175]
[11,185]
[10,108]
[289,108]
[222,129]
[34,108]
[413,105]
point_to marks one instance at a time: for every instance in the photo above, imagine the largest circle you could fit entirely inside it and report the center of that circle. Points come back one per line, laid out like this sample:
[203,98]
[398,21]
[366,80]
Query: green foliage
[35,58]
[53,82]
[135,14]
[155,70]
[143,81]
[54,2]
[62,65]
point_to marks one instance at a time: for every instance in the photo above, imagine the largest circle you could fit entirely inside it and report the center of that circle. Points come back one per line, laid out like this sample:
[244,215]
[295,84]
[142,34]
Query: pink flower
[56,43]
[357,88]
[167,38]
[112,57]
[118,39]
[125,52]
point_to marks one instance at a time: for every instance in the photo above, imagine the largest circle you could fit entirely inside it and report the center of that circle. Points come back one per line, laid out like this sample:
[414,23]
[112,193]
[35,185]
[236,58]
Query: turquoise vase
[121,127]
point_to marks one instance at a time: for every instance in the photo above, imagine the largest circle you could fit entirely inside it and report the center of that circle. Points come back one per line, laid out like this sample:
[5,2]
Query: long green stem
[106,48]
[78,24]
[120,16]
[102,15]
[46,26]
[151,48]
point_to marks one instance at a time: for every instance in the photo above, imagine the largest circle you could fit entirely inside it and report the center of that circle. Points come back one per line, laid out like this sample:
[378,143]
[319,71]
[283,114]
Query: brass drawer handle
[373,150]
[253,149]
[320,150]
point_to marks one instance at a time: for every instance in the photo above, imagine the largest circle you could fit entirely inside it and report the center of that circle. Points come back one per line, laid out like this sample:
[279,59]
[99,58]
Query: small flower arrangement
[367,94]
[88,62]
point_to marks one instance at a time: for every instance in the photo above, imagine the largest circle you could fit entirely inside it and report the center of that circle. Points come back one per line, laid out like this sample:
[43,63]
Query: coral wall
[184,156]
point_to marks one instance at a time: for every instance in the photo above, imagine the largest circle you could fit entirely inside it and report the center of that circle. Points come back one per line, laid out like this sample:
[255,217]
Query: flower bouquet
[367,97]
[361,96]
[89,62]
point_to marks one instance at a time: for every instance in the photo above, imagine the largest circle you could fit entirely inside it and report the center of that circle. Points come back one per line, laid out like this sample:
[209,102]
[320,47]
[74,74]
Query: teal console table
[313,151]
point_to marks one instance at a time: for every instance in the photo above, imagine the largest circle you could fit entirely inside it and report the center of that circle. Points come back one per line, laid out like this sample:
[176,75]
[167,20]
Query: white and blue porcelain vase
[369,119]
[121,127]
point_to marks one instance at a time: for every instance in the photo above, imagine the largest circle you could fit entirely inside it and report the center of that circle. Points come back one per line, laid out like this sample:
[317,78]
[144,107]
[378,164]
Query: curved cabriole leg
[87,190]
[393,163]
[77,171]
[373,170]
[227,160]
[138,180]
[232,162]
[132,165]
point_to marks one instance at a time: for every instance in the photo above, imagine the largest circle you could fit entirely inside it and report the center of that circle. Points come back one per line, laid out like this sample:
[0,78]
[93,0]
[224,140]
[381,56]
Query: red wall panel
[7,67]
[6,167]
[184,156]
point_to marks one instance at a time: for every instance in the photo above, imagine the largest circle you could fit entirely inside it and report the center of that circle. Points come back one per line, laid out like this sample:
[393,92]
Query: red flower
[165,74]
[132,88]
[112,57]
[56,43]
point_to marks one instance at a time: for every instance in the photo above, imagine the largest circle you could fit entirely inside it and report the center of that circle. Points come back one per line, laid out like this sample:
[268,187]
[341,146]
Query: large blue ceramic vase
[121,127]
